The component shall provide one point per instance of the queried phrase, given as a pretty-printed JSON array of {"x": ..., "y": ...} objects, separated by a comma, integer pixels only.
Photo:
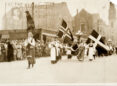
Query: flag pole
[
  {"x": 5, "y": 16},
  {"x": 46, "y": 16},
  {"x": 33, "y": 10}
]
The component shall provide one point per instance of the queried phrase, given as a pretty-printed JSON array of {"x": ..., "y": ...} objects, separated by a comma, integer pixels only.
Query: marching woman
[
  {"x": 53, "y": 52},
  {"x": 30, "y": 49},
  {"x": 19, "y": 52},
  {"x": 69, "y": 51},
  {"x": 81, "y": 52},
  {"x": 58, "y": 48}
]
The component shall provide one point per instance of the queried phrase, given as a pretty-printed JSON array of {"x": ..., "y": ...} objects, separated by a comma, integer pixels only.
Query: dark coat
[
  {"x": 81, "y": 53},
  {"x": 10, "y": 52},
  {"x": 30, "y": 53}
]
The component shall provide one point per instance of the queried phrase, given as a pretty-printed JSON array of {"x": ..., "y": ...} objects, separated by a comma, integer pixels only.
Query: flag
[
  {"x": 68, "y": 37},
  {"x": 75, "y": 47},
  {"x": 65, "y": 33},
  {"x": 37, "y": 34},
  {"x": 30, "y": 21},
  {"x": 99, "y": 43}
]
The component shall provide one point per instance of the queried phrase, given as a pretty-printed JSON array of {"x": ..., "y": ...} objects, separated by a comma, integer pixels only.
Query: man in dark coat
[
  {"x": 10, "y": 52},
  {"x": 30, "y": 21}
]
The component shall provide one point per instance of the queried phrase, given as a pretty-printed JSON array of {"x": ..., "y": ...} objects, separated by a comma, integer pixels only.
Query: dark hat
[{"x": 26, "y": 11}]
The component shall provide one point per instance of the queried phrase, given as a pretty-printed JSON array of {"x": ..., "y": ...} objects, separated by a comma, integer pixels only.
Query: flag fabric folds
[
  {"x": 99, "y": 43},
  {"x": 75, "y": 47},
  {"x": 65, "y": 32}
]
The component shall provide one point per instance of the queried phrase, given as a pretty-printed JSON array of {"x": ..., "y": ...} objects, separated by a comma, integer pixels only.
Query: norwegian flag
[
  {"x": 98, "y": 42},
  {"x": 65, "y": 32}
]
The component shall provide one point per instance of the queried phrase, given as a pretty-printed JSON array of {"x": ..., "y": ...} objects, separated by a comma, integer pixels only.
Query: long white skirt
[
  {"x": 53, "y": 54},
  {"x": 91, "y": 53}
]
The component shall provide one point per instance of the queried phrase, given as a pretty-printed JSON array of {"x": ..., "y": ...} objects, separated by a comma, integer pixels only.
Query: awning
[
  {"x": 17, "y": 36},
  {"x": 79, "y": 33},
  {"x": 5, "y": 36}
]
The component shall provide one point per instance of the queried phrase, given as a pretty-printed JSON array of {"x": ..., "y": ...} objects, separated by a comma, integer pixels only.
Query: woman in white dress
[
  {"x": 19, "y": 52},
  {"x": 91, "y": 51},
  {"x": 58, "y": 48},
  {"x": 53, "y": 52}
]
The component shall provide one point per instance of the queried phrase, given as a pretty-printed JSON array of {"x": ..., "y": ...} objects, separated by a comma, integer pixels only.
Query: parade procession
[
  {"x": 45, "y": 38},
  {"x": 64, "y": 43}
]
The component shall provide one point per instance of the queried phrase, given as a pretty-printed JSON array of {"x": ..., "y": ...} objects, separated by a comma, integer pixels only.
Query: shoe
[
  {"x": 90, "y": 60},
  {"x": 28, "y": 67}
]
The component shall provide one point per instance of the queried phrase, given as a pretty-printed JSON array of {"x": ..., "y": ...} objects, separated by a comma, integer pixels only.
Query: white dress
[
  {"x": 91, "y": 52},
  {"x": 52, "y": 51},
  {"x": 19, "y": 51},
  {"x": 57, "y": 45},
  {"x": 68, "y": 50},
  {"x": 86, "y": 50}
]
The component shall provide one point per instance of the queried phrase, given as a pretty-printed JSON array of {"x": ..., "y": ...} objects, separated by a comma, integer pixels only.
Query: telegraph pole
[
  {"x": 98, "y": 29},
  {"x": 46, "y": 18},
  {"x": 33, "y": 10},
  {"x": 5, "y": 17}
]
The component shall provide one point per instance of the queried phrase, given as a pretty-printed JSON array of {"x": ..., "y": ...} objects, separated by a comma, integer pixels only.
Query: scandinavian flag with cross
[
  {"x": 99, "y": 43},
  {"x": 65, "y": 32}
]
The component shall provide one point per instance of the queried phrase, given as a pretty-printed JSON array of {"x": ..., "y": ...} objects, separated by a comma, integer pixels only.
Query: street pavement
[{"x": 101, "y": 70}]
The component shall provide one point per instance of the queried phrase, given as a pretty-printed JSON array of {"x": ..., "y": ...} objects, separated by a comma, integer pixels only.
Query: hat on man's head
[{"x": 26, "y": 11}]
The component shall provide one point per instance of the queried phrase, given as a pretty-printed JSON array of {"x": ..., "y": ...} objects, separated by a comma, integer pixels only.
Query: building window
[
  {"x": 82, "y": 27},
  {"x": 112, "y": 24}
]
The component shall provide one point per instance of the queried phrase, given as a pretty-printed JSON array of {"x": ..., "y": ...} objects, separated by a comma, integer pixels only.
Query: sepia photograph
[{"x": 58, "y": 42}]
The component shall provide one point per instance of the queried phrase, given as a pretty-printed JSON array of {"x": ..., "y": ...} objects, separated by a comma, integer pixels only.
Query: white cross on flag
[
  {"x": 98, "y": 41},
  {"x": 65, "y": 33}
]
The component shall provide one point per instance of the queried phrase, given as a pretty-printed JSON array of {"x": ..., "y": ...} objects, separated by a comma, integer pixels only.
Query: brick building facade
[
  {"x": 86, "y": 22},
  {"x": 47, "y": 16}
]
